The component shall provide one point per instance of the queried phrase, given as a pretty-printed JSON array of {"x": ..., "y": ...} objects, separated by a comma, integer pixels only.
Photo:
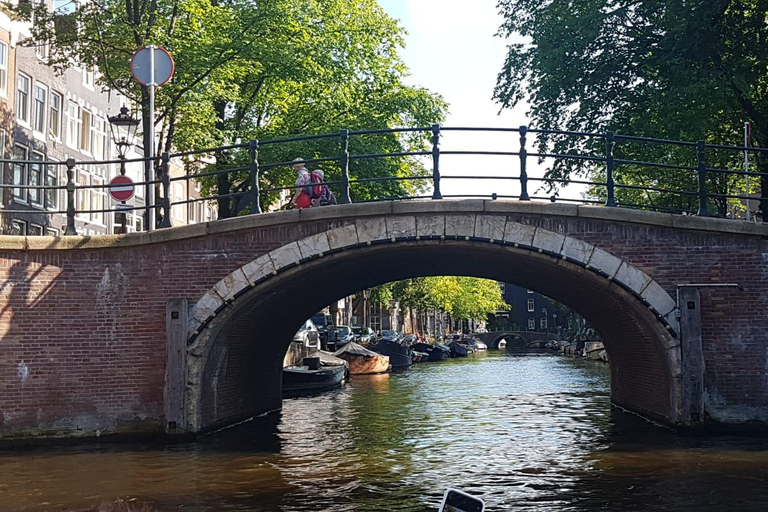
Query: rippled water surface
[{"x": 524, "y": 432}]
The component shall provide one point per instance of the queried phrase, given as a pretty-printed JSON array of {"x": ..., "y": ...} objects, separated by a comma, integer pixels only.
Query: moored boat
[
  {"x": 437, "y": 352},
  {"x": 362, "y": 361},
  {"x": 312, "y": 377},
  {"x": 399, "y": 354},
  {"x": 457, "y": 349}
]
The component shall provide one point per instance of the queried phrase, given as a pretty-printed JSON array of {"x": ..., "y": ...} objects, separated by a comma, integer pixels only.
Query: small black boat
[
  {"x": 399, "y": 354},
  {"x": 436, "y": 352},
  {"x": 457, "y": 349},
  {"x": 313, "y": 377}
]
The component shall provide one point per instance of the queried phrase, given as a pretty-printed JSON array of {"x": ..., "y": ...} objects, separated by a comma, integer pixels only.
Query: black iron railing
[{"x": 591, "y": 154}]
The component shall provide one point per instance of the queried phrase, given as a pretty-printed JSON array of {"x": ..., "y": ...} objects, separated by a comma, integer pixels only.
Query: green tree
[
  {"x": 684, "y": 70},
  {"x": 245, "y": 71}
]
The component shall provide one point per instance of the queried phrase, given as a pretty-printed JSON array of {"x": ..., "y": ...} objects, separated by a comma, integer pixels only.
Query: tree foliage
[
  {"x": 681, "y": 70},
  {"x": 464, "y": 298},
  {"x": 266, "y": 70}
]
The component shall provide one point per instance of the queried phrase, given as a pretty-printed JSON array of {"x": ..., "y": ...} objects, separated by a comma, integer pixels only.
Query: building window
[
  {"x": 543, "y": 322},
  {"x": 20, "y": 173},
  {"x": 54, "y": 118},
  {"x": 22, "y": 98},
  {"x": 51, "y": 232},
  {"x": 51, "y": 180},
  {"x": 3, "y": 69},
  {"x": 35, "y": 177},
  {"x": 98, "y": 138},
  {"x": 18, "y": 227},
  {"x": 38, "y": 112},
  {"x": 42, "y": 50},
  {"x": 83, "y": 198},
  {"x": 85, "y": 130},
  {"x": 531, "y": 306},
  {"x": 98, "y": 196},
  {"x": 502, "y": 288},
  {"x": 531, "y": 324},
  {"x": 35, "y": 230},
  {"x": 73, "y": 124},
  {"x": 177, "y": 197},
  {"x": 88, "y": 78}
]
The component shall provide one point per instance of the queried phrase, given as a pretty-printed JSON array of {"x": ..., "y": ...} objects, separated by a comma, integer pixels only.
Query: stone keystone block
[
  {"x": 230, "y": 285},
  {"x": 604, "y": 261},
  {"x": 206, "y": 306},
  {"x": 258, "y": 268},
  {"x": 399, "y": 227},
  {"x": 632, "y": 276},
  {"x": 548, "y": 241},
  {"x": 459, "y": 225},
  {"x": 345, "y": 236},
  {"x": 369, "y": 230},
  {"x": 490, "y": 226},
  {"x": 516, "y": 233},
  {"x": 577, "y": 250},
  {"x": 659, "y": 298},
  {"x": 286, "y": 255},
  {"x": 314, "y": 245},
  {"x": 430, "y": 225}
]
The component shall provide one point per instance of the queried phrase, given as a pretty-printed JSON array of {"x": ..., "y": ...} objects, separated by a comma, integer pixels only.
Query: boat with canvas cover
[{"x": 362, "y": 361}]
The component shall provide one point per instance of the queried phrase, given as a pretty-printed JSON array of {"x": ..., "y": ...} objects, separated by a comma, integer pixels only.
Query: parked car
[
  {"x": 391, "y": 336},
  {"x": 342, "y": 335},
  {"x": 363, "y": 335},
  {"x": 308, "y": 335},
  {"x": 323, "y": 321}
]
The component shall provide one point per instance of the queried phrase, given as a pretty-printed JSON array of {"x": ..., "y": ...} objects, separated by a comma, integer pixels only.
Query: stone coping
[{"x": 349, "y": 211}]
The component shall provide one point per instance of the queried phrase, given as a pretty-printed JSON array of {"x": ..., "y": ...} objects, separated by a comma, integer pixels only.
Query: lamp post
[{"x": 122, "y": 127}]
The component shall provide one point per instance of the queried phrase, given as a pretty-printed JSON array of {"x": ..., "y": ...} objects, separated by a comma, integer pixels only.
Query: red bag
[{"x": 303, "y": 201}]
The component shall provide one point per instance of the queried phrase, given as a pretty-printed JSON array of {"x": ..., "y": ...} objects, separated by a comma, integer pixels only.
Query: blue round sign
[{"x": 147, "y": 74}]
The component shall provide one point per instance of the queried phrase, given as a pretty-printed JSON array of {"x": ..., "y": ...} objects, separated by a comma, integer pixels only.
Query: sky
[{"x": 451, "y": 49}]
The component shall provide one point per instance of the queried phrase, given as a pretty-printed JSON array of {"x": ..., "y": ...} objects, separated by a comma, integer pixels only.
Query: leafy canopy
[{"x": 683, "y": 70}]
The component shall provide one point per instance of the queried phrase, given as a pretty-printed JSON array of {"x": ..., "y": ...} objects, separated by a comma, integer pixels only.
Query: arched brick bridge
[
  {"x": 184, "y": 329},
  {"x": 492, "y": 339}
]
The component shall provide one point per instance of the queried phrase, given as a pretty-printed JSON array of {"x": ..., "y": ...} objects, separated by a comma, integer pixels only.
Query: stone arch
[{"x": 652, "y": 307}]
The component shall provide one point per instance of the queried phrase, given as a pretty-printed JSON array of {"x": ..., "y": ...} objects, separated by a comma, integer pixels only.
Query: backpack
[{"x": 317, "y": 185}]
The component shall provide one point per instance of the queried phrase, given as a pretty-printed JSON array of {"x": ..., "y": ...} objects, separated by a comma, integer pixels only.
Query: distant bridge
[{"x": 514, "y": 338}]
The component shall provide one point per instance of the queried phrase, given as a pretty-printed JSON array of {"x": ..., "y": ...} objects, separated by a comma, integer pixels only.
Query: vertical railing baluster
[
  {"x": 436, "y": 162},
  {"x": 345, "y": 198},
  {"x": 610, "y": 184},
  {"x": 70, "y": 230},
  {"x": 166, "y": 180},
  {"x": 253, "y": 150},
  {"x": 702, "y": 170},
  {"x": 523, "y": 163}
]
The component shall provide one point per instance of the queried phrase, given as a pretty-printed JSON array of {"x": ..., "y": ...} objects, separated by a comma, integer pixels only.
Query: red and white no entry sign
[{"x": 121, "y": 188}]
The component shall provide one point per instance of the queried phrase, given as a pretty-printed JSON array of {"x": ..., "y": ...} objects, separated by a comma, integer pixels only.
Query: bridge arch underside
[{"x": 236, "y": 368}]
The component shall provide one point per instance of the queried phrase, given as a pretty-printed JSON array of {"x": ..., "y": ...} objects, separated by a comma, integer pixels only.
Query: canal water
[{"x": 523, "y": 431}]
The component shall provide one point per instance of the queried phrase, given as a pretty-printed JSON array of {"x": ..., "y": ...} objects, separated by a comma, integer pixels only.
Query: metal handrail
[{"x": 346, "y": 163}]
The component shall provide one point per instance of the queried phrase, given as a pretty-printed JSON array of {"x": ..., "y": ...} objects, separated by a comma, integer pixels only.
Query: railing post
[
  {"x": 253, "y": 150},
  {"x": 70, "y": 230},
  {"x": 166, "y": 179},
  {"x": 523, "y": 162},
  {"x": 702, "y": 170},
  {"x": 610, "y": 184},
  {"x": 345, "y": 199},
  {"x": 436, "y": 162}
]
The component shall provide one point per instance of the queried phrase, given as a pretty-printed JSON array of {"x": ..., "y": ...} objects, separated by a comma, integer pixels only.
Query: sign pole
[
  {"x": 151, "y": 153},
  {"x": 746, "y": 165}
]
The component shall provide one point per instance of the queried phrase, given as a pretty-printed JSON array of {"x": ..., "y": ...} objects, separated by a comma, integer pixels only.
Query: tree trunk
[{"x": 224, "y": 186}]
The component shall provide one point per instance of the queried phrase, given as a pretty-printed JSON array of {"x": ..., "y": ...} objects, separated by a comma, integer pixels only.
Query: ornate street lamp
[{"x": 122, "y": 127}]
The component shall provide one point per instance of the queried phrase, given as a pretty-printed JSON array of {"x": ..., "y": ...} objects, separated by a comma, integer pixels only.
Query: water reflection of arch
[{"x": 339, "y": 261}]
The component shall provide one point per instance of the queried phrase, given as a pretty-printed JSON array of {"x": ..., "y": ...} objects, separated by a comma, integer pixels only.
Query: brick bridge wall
[{"x": 83, "y": 320}]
